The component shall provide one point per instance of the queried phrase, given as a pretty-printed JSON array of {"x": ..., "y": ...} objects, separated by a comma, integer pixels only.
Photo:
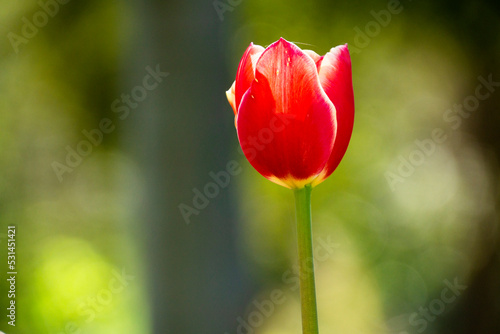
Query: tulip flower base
[{"x": 313, "y": 95}]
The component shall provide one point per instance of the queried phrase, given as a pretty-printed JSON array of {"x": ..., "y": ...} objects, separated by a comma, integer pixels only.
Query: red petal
[
  {"x": 246, "y": 71},
  {"x": 286, "y": 123},
  {"x": 316, "y": 57},
  {"x": 313, "y": 55},
  {"x": 335, "y": 75}
]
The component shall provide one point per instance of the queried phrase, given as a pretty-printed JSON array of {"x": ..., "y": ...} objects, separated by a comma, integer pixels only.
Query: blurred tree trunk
[{"x": 181, "y": 132}]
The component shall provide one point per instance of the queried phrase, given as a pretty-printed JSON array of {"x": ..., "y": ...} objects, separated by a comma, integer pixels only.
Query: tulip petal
[
  {"x": 230, "y": 94},
  {"x": 316, "y": 57},
  {"x": 286, "y": 123},
  {"x": 246, "y": 71},
  {"x": 335, "y": 75}
]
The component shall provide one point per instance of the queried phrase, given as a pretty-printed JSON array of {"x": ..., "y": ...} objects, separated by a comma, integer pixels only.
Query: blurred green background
[{"x": 114, "y": 116}]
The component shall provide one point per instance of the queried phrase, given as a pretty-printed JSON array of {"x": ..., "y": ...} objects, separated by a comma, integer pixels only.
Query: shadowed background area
[{"x": 137, "y": 213}]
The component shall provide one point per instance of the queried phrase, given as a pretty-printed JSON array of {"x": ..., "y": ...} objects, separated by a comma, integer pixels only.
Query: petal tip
[
  {"x": 282, "y": 41},
  {"x": 342, "y": 48},
  {"x": 230, "y": 94}
]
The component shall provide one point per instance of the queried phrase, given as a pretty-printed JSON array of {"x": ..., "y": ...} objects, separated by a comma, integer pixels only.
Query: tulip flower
[
  {"x": 310, "y": 95},
  {"x": 294, "y": 115}
]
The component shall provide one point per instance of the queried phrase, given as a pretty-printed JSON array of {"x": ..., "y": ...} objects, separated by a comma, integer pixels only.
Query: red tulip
[{"x": 294, "y": 111}]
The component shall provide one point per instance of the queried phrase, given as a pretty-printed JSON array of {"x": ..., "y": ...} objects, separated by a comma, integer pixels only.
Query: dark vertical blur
[{"x": 178, "y": 137}]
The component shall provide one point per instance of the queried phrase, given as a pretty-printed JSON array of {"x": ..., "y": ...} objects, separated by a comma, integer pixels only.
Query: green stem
[{"x": 306, "y": 265}]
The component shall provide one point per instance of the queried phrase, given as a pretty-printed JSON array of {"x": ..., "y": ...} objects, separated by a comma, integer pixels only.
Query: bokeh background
[{"x": 406, "y": 229}]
